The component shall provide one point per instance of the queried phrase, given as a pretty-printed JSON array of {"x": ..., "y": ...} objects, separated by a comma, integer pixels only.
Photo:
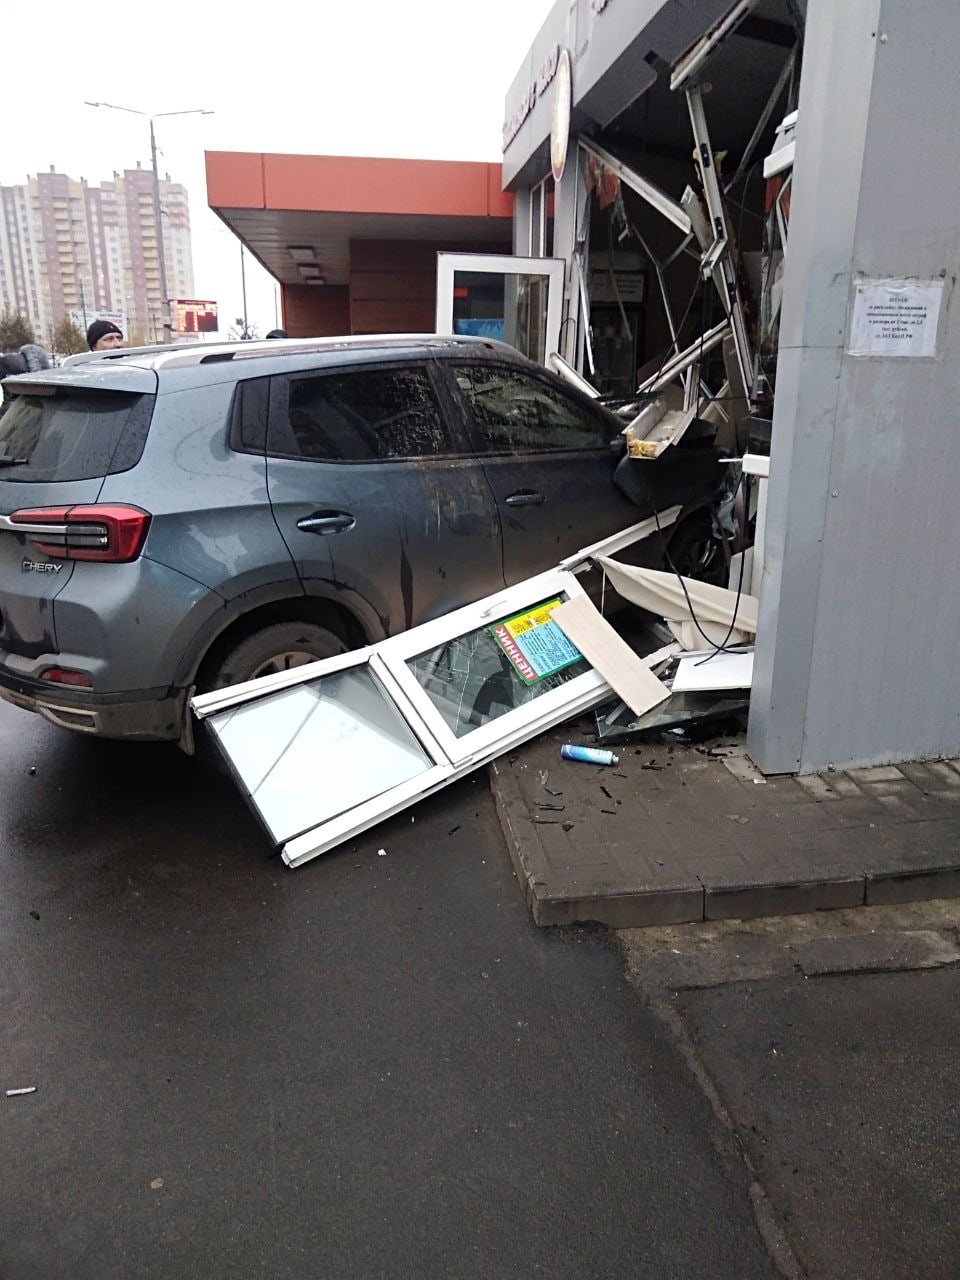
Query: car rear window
[{"x": 72, "y": 434}]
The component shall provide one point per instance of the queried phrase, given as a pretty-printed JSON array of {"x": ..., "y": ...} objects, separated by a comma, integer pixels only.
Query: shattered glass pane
[
  {"x": 471, "y": 680},
  {"x": 309, "y": 753},
  {"x": 617, "y": 723}
]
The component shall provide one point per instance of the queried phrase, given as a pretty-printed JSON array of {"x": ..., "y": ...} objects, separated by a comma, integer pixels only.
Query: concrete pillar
[{"x": 860, "y": 605}]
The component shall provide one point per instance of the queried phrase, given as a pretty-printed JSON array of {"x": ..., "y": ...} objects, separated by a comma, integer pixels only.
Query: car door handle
[
  {"x": 327, "y": 522},
  {"x": 525, "y": 498}
]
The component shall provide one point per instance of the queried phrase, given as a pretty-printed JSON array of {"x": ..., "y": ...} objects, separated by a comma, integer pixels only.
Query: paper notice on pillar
[{"x": 895, "y": 318}]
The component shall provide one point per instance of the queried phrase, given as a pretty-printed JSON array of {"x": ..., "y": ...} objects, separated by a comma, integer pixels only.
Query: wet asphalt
[
  {"x": 368, "y": 1067},
  {"x": 844, "y": 1089}
]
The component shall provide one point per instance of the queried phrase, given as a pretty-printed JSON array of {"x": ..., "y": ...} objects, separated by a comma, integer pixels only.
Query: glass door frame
[{"x": 448, "y": 264}]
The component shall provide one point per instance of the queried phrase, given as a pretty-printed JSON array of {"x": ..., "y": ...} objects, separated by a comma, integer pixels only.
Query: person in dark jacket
[{"x": 29, "y": 359}]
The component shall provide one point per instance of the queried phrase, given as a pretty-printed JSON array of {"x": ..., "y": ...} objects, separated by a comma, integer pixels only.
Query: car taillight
[{"x": 109, "y": 531}]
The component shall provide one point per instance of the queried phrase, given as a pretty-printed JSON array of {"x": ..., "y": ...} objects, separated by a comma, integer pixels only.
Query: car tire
[
  {"x": 696, "y": 552},
  {"x": 278, "y": 648}
]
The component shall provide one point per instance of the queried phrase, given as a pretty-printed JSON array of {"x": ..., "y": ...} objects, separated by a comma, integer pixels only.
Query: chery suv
[{"x": 186, "y": 518}]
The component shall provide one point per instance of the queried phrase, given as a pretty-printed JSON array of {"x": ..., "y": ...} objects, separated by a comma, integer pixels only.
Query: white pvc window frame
[
  {"x": 498, "y": 735},
  {"x": 448, "y": 264},
  {"x": 450, "y": 757},
  {"x": 335, "y": 830}
]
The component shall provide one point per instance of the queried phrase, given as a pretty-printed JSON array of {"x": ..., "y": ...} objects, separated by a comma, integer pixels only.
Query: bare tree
[
  {"x": 67, "y": 338},
  {"x": 243, "y": 332},
  {"x": 15, "y": 331}
]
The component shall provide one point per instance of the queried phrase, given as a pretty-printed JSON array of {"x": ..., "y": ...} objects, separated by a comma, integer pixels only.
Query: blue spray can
[{"x": 588, "y": 755}]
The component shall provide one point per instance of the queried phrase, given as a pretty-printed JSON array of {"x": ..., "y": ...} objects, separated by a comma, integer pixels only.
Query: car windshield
[{"x": 72, "y": 434}]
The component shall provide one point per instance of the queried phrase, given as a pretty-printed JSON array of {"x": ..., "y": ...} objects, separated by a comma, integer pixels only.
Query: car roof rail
[
  {"x": 119, "y": 353},
  {"x": 184, "y": 354}
]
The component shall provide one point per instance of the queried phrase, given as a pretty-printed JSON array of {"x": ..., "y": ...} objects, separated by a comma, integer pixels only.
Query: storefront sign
[
  {"x": 895, "y": 318},
  {"x": 536, "y": 89},
  {"x": 535, "y": 644},
  {"x": 560, "y": 119},
  {"x": 190, "y": 315}
]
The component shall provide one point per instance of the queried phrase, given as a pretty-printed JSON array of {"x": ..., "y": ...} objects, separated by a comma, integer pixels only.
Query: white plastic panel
[{"x": 309, "y": 753}]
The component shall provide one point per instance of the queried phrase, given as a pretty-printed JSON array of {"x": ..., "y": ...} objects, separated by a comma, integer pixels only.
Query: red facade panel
[
  {"x": 380, "y": 316},
  {"x": 311, "y": 311},
  {"x": 354, "y": 184},
  {"x": 234, "y": 180}
]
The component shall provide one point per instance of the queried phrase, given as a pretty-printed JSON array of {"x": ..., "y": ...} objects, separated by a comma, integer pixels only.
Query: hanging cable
[{"x": 715, "y": 648}]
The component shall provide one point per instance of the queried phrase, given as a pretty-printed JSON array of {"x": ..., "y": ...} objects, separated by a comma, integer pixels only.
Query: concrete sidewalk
[{"x": 677, "y": 833}]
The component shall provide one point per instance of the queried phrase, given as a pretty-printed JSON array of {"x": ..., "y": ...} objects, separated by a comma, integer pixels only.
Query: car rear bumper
[{"x": 146, "y": 716}]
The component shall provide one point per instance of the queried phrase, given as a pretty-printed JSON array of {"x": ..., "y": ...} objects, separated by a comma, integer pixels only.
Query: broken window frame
[
  {"x": 497, "y": 735},
  {"x": 497, "y": 264},
  {"x": 333, "y": 831},
  {"x": 450, "y": 757}
]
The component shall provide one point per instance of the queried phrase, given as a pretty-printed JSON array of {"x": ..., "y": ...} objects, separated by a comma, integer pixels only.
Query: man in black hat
[{"x": 103, "y": 335}]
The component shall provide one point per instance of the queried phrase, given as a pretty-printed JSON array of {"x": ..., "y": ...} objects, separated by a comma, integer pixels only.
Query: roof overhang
[
  {"x": 622, "y": 55},
  {"x": 318, "y": 204}
]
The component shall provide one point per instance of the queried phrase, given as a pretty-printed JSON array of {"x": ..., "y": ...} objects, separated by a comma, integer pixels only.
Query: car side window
[
  {"x": 513, "y": 412},
  {"x": 248, "y": 427},
  {"x": 362, "y": 416}
]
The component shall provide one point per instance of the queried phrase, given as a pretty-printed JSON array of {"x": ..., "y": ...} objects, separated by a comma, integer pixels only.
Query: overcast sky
[{"x": 421, "y": 78}]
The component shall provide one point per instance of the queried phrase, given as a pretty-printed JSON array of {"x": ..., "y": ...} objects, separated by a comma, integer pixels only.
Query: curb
[{"x": 583, "y": 894}]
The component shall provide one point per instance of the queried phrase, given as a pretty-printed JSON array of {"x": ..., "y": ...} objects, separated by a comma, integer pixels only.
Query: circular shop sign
[{"x": 560, "y": 119}]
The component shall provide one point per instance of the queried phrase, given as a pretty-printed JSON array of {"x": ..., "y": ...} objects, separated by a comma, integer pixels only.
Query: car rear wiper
[{"x": 13, "y": 462}]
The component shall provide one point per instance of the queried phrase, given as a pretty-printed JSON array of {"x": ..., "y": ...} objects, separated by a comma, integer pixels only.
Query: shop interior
[{"x": 649, "y": 289}]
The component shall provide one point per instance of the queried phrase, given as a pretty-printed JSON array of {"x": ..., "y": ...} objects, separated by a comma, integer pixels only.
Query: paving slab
[
  {"x": 676, "y": 833},
  {"x": 841, "y": 1088}
]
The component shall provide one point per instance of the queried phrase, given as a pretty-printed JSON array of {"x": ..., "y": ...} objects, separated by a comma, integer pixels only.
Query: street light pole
[
  {"x": 157, "y": 210},
  {"x": 243, "y": 283},
  {"x": 158, "y": 219}
]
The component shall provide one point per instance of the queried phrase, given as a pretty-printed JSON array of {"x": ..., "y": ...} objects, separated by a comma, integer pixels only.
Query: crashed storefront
[
  {"x": 653, "y": 263},
  {"x": 705, "y": 236},
  {"x": 661, "y": 136},
  {"x": 613, "y": 103}
]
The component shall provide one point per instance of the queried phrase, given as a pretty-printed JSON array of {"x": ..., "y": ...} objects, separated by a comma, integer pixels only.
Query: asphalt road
[{"x": 369, "y": 1067}]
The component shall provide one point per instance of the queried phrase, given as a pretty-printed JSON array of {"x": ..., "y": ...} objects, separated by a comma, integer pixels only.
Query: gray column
[
  {"x": 521, "y": 222},
  {"x": 568, "y": 213},
  {"x": 860, "y": 606}
]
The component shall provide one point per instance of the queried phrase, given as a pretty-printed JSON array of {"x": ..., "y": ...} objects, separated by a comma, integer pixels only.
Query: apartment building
[{"x": 68, "y": 247}]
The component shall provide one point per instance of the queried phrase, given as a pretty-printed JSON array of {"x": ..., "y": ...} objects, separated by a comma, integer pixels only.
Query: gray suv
[{"x": 186, "y": 518}]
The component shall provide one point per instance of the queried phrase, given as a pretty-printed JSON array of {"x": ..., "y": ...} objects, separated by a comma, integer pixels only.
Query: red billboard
[{"x": 191, "y": 316}]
